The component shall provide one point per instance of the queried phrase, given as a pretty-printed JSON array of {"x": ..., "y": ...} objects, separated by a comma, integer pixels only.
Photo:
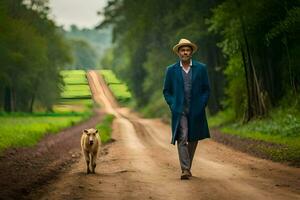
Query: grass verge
[
  {"x": 23, "y": 130},
  {"x": 276, "y": 136},
  {"x": 105, "y": 128}
]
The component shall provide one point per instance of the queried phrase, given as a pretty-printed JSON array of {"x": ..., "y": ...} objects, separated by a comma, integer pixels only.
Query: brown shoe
[
  {"x": 190, "y": 173},
  {"x": 185, "y": 175}
]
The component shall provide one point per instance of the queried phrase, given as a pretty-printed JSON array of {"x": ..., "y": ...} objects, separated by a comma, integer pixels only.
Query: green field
[
  {"x": 84, "y": 102},
  {"x": 120, "y": 90},
  {"x": 109, "y": 76},
  {"x": 76, "y": 77},
  {"x": 76, "y": 85},
  {"x": 75, "y": 105},
  {"x": 76, "y": 94}
]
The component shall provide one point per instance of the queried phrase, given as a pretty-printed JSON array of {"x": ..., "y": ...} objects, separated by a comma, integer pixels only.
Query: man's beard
[{"x": 185, "y": 58}]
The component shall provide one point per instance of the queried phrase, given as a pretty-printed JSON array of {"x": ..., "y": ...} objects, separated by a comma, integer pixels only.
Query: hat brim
[{"x": 192, "y": 45}]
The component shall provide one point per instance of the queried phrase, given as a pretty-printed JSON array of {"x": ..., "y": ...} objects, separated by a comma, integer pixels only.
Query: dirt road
[{"x": 142, "y": 164}]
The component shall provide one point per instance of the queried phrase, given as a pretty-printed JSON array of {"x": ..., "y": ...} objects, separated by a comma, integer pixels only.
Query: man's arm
[{"x": 168, "y": 89}]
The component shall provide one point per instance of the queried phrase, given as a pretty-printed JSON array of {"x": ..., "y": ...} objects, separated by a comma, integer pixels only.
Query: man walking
[{"x": 186, "y": 91}]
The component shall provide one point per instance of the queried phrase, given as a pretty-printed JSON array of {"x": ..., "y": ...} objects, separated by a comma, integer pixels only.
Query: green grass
[
  {"x": 23, "y": 129},
  {"x": 221, "y": 118},
  {"x": 86, "y": 102},
  {"x": 105, "y": 128},
  {"x": 281, "y": 127},
  {"x": 120, "y": 90}
]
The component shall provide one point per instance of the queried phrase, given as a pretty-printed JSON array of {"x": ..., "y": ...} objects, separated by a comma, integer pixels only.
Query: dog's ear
[
  {"x": 96, "y": 130},
  {"x": 85, "y": 131}
]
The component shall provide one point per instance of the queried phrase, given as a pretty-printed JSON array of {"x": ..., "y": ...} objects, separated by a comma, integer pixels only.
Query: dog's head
[{"x": 91, "y": 134}]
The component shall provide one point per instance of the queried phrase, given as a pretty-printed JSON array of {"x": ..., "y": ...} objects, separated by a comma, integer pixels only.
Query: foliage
[
  {"x": 221, "y": 118},
  {"x": 32, "y": 52},
  {"x": 84, "y": 55},
  {"x": 236, "y": 85},
  {"x": 265, "y": 39},
  {"x": 157, "y": 108},
  {"x": 107, "y": 59},
  {"x": 97, "y": 40}
]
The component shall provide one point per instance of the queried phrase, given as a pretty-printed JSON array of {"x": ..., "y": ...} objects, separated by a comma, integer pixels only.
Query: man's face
[{"x": 185, "y": 53}]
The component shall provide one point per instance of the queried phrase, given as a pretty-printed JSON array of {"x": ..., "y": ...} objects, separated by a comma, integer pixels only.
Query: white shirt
[{"x": 188, "y": 69}]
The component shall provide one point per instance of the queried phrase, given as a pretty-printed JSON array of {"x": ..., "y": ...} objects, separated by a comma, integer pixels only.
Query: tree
[
  {"x": 84, "y": 55},
  {"x": 32, "y": 53}
]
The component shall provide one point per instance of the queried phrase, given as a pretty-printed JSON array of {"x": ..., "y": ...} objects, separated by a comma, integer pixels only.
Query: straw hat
[{"x": 185, "y": 42}]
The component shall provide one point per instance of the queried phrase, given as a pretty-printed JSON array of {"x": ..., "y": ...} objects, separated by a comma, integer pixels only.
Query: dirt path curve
[{"x": 142, "y": 164}]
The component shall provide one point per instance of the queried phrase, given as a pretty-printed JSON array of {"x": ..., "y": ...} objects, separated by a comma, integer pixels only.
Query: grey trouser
[{"x": 186, "y": 150}]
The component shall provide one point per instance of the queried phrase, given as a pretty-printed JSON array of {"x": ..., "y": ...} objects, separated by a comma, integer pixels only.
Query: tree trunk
[
  {"x": 247, "y": 115},
  {"x": 31, "y": 103},
  {"x": 13, "y": 100},
  {"x": 256, "y": 105},
  {"x": 7, "y": 99},
  {"x": 291, "y": 78}
]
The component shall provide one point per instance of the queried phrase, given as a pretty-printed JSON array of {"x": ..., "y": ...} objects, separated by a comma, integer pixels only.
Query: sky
[{"x": 82, "y": 13}]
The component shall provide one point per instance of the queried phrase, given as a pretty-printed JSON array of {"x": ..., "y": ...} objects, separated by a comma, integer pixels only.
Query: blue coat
[{"x": 174, "y": 95}]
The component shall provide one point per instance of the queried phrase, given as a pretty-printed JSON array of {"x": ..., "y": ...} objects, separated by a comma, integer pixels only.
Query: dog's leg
[
  {"x": 87, "y": 159},
  {"x": 94, "y": 157}
]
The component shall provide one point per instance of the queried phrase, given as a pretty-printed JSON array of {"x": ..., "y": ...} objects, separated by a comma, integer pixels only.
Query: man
[{"x": 186, "y": 91}]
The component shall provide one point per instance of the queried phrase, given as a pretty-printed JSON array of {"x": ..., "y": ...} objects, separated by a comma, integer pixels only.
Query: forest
[
  {"x": 251, "y": 49},
  {"x": 32, "y": 53}
]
